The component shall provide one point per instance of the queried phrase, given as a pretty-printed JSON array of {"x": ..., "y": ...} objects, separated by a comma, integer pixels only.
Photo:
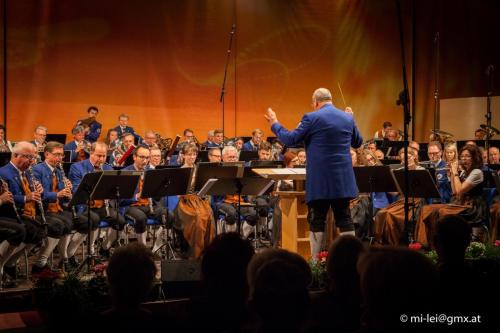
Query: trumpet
[
  {"x": 5, "y": 188},
  {"x": 34, "y": 186}
]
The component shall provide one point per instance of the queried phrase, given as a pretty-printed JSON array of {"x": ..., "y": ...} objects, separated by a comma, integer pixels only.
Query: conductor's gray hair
[{"x": 322, "y": 95}]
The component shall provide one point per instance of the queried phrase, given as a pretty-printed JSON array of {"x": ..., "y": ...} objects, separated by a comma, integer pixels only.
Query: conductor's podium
[{"x": 294, "y": 226}]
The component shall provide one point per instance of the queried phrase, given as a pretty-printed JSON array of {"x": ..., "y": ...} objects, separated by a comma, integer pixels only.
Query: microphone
[{"x": 489, "y": 69}]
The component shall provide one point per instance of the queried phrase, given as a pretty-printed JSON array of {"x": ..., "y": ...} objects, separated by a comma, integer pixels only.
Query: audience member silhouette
[
  {"x": 462, "y": 288},
  {"x": 130, "y": 272},
  {"x": 279, "y": 294},
  {"x": 396, "y": 281},
  {"x": 223, "y": 304},
  {"x": 339, "y": 308}
]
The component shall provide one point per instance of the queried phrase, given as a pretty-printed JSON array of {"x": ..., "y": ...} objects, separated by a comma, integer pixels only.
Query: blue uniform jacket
[
  {"x": 42, "y": 173},
  {"x": 443, "y": 183},
  {"x": 328, "y": 134},
  {"x": 94, "y": 132},
  {"x": 10, "y": 174},
  {"x": 72, "y": 146},
  {"x": 247, "y": 146},
  {"x": 128, "y": 129}
]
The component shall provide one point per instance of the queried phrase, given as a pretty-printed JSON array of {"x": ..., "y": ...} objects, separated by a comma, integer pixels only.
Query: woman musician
[
  {"x": 193, "y": 215},
  {"x": 5, "y": 145},
  {"x": 468, "y": 201}
]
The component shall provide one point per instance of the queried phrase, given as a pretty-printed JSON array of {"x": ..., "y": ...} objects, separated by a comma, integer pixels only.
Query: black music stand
[
  {"x": 163, "y": 183},
  {"x": 421, "y": 183},
  {"x": 61, "y": 138},
  {"x": 248, "y": 155},
  {"x": 240, "y": 186},
  {"x": 374, "y": 179},
  {"x": 203, "y": 156},
  {"x": 5, "y": 158},
  {"x": 394, "y": 145},
  {"x": 207, "y": 171},
  {"x": 82, "y": 197}
]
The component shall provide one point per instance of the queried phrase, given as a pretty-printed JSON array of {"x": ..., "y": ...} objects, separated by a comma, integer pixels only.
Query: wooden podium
[{"x": 294, "y": 225}]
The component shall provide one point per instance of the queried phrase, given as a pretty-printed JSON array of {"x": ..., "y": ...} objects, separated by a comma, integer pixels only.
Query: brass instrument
[
  {"x": 5, "y": 188},
  {"x": 85, "y": 123},
  {"x": 34, "y": 185}
]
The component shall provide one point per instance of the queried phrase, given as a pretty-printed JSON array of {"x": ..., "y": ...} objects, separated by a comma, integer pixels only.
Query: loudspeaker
[{"x": 180, "y": 270}]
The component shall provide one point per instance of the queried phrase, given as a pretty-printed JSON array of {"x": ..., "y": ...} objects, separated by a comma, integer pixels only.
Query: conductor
[{"x": 328, "y": 133}]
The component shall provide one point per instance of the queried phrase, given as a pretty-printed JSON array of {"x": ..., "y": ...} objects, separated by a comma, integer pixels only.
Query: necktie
[
  {"x": 54, "y": 207},
  {"x": 29, "y": 207}
]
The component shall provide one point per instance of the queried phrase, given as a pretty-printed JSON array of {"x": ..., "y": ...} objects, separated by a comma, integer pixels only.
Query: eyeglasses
[
  {"x": 27, "y": 156},
  {"x": 437, "y": 153},
  {"x": 58, "y": 154},
  {"x": 142, "y": 157}
]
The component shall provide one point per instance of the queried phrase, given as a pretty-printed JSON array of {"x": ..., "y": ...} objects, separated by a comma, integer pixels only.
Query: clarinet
[
  {"x": 5, "y": 188},
  {"x": 33, "y": 189},
  {"x": 74, "y": 214}
]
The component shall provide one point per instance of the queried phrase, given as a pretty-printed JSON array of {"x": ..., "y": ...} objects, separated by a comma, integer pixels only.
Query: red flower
[
  {"x": 322, "y": 256},
  {"x": 415, "y": 246},
  {"x": 497, "y": 242}
]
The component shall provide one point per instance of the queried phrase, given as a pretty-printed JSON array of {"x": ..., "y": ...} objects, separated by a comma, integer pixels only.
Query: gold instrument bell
[
  {"x": 490, "y": 131},
  {"x": 441, "y": 136}
]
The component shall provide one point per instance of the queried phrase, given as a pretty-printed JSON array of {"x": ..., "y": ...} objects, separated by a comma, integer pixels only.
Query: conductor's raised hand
[{"x": 271, "y": 116}]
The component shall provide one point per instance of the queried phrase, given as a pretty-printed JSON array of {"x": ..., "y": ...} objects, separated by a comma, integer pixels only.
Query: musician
[
  {"x": 379, "y": 154},
  {"x": 150, "y": 139},
  {"x": 79, "y": 147},
  {"x": 255, "y": 141},
  {"x": 40, "y": 134},
  {"x": 214, "y": 155},
  {"x": 91, "y": 125},
  {"x": 126, "y": 146},
  {"x": 382, "y": 134},
  {"x": 26, "y": 197},
  {"x": 218, "y": 139},
  {"x": 138, "y": 208},
  {"x": 479, "y": 134},
  {"x": 301, "y": 155},
  {"x": 112, "y": 139},
  {"x": 468, "y": 200},
  {"x": 371, "y": 146},
  {"x": 388, "y": 224},
  {"x": 99, "y": 209},
  {"x": 12, "y": 234},
  {"x": 265, "y": 151},
  {"x": 228, "y": 204},
  {"x": 328, "y": 133},
  {"x": 5, "y": 145},
  {"x": 392, "y": 135},
  {"x": 188, "y": 136},
  {"x": 210, "y": 137},
  {"x": 494, "y": 155},
  {"x": 123, "y": 127},
  {"x": 238, "y": 143},
  {"x": 278, "y": 150},
  {"x": 451, "y": 155},
  {"x": 56, "y": 193},
  {"x": 154, "y": 158},
  {"x": 435, "y": 154}
]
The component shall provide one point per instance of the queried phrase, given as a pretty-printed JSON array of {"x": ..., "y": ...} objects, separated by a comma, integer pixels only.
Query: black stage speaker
[{"x": 181, "y": 278}]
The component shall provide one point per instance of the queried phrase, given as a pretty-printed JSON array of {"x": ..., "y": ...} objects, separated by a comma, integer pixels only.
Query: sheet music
[{"x": 208, "y": 185}]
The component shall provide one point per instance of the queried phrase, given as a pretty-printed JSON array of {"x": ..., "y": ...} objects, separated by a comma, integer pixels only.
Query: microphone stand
[
  {"x": 404, "y": 100},
  {"x": 223, "y": 88},
  {"x": 489, "y": 73},
  {"x": 436, "y": 83}
]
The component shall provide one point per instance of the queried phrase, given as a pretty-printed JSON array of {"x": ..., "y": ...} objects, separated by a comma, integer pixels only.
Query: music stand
[
  {"x": 68, "y": 155},
  {"x": 374, "y": 179},
  {"x": 164, "y": 183},
  {"x": 61, "y": 138},
  {"x": 207, "y": 171},
  {"x": 421, "y": 183},
  {"x": 5, "y": 158},
  {"x": 248, "y": 155},
  {"x": 82, "y": 197},
  {"x": 203, "y": 156},
  {"x": 394, "y": 146},
  {"x": 240, "y": 186}
]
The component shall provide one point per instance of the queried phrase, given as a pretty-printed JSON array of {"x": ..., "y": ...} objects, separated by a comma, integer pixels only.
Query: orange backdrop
[{"x": 162, "y": 61}]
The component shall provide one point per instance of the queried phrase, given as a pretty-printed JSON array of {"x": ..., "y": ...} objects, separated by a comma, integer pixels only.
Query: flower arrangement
[
  {"x": 475, "y": 250},
  {"x": 318, "y": 270}
]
